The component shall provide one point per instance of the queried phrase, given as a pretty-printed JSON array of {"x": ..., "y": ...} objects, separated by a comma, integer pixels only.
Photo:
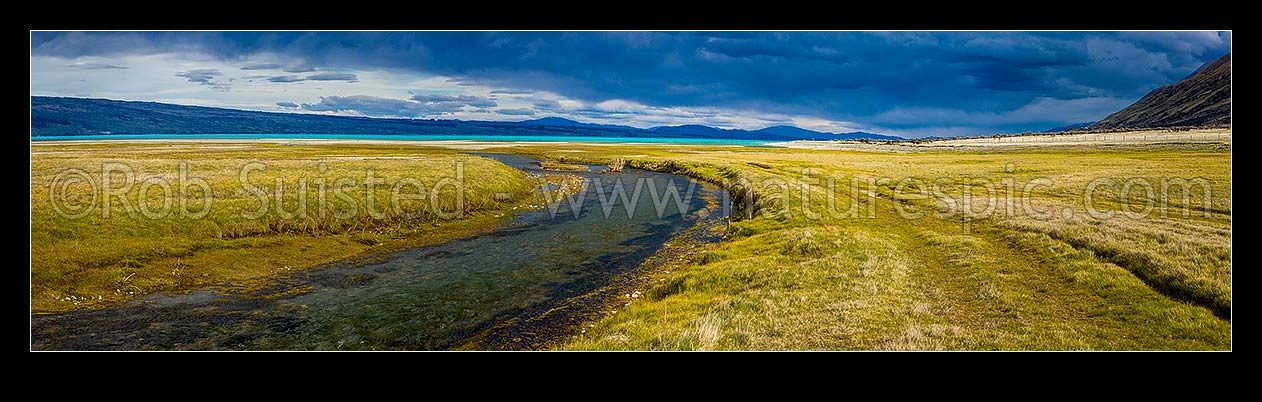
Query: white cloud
[
  {"x": 619, "y": 106},
  {"x": 817, "y": 124},
  {"x": 569, "y": 104},
  {"x": 154, "y": 78}
]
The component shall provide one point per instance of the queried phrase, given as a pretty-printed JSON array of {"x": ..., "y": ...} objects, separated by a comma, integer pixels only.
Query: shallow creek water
[{"x": 525, "y": 285}]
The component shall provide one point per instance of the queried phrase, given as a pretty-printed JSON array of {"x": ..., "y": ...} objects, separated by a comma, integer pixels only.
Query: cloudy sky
[{"x": 905, "y": 83}]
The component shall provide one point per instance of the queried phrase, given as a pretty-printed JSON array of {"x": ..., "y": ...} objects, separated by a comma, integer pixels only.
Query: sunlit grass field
[
  {"x": 879, "y": 280},
  {"x": 882, "y": 268},
  {"x": 93, "y": 260}
]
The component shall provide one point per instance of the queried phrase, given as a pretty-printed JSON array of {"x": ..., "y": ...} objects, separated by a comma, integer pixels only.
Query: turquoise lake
[{"x": 522, "y": 138}]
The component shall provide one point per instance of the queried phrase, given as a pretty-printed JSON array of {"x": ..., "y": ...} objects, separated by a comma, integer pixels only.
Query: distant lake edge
[{"x": 379, "y": 137}]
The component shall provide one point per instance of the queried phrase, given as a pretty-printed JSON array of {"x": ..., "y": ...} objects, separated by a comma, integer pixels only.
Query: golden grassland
[
  {"x": 94, "y": 260},
  {"x": 881, "y": 281},
  {"x": 792, "y": 276}
]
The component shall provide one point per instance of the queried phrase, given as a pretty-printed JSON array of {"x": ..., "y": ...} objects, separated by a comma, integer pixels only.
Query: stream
[{"x": 529, "y": 284}]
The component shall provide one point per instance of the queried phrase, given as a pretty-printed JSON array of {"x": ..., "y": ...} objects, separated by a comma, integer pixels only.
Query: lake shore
[
  {"x": 448, "y": 141},
  {"x": 1208, "y": 138}
]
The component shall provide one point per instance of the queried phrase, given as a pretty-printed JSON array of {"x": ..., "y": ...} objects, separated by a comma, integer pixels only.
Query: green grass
[
  {"x": 94, "y": 260},
  {"x": 781, "y": 280},
  {"x": 867, "y": 279}
]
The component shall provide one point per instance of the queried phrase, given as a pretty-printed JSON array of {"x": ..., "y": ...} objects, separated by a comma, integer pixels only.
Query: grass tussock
[
  {"x": 1187, "y": 262},
  {"x": 616, "y": 165},
  {"x": 563, "y": 167}
]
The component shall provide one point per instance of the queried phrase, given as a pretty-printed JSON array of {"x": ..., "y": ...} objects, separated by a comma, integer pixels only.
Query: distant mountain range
[
  {"x": 1069, "y": 127},
  {"x": 1201, "y": 99},
  {"x": 53, "y": 116}
]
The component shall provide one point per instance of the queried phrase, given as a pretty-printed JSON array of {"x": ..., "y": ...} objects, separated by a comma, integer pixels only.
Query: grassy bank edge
[{"x": 289, "y": 252}]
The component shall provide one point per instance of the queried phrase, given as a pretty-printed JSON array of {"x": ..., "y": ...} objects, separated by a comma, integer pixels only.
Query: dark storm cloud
[
  {"x": 207, "y": 77},
  {"x": 285, "y": 78},
  {"x": 348, "y": 77},
  {"x": 516, "y": 112},
  {"x": 511, "y": 92},
  {"x": 847, "y": 76},
  {"x": 301, "y": 68},
  {"x": 547, "y": 104},
  {"x": 264, "y": 66},
  {"x": 201, "y": 76},
  {"x": 287, "y": 105}
]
